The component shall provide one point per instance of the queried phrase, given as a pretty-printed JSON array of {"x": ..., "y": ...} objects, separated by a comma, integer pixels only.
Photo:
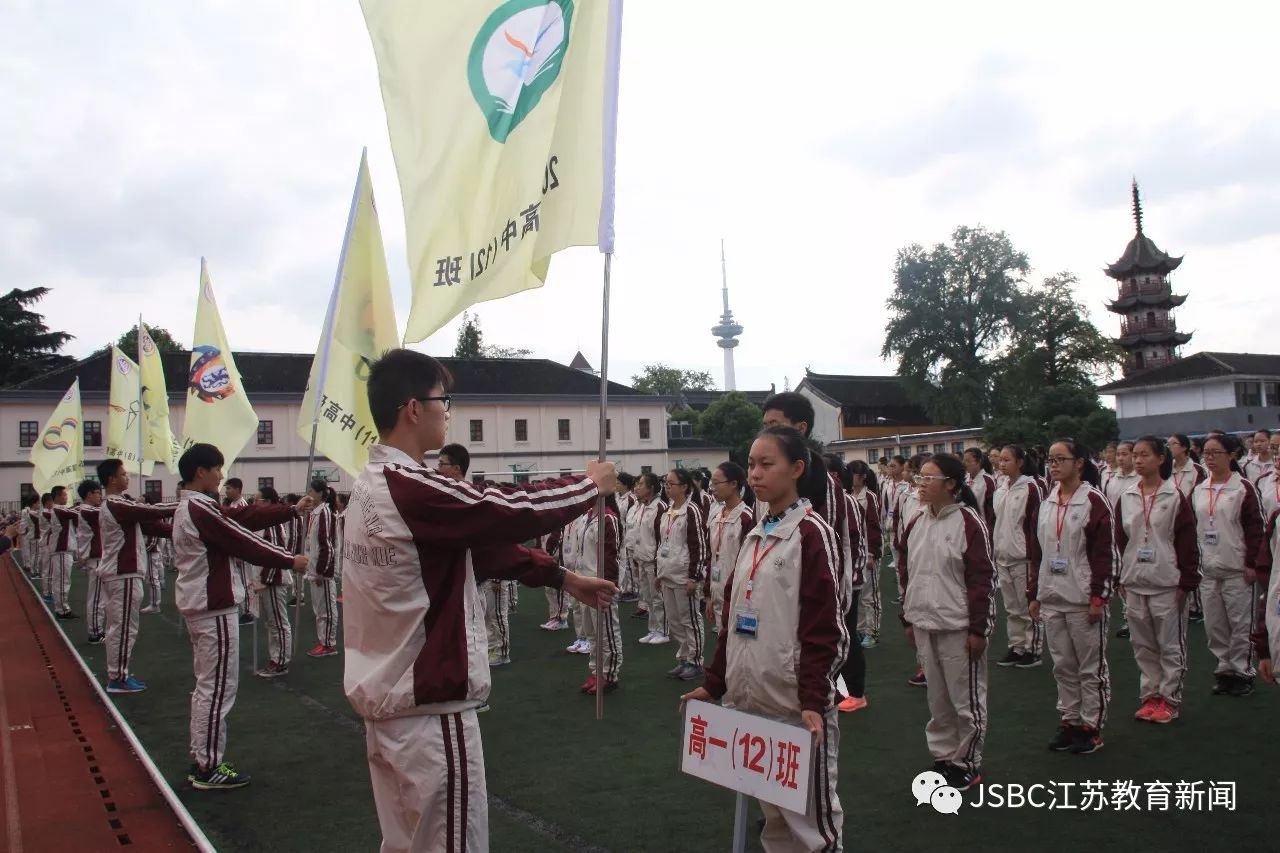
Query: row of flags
[{"x": 502, "y": 117}]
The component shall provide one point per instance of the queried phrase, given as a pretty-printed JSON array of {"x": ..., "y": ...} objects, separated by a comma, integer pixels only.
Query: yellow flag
[
  {"x": 58, "y": 456},
  {"x": 218, "y": 411},
  {"x": 359, "y": 327},
  {"x": 123, "y": 414},
  {"x": 157, "y": 435},
  {"x": 502, "y": 118}
]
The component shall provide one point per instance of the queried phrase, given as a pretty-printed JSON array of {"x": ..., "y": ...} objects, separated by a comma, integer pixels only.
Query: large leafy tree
[
  {"x": 165, "y": 341},
  {"x": 951, "y": 313},
  {"x": 471, "y": 342},
  {"x": 28, "y": 347},
  {"x": 733, "y": 422},
  {"x": 671, "y": 381}
]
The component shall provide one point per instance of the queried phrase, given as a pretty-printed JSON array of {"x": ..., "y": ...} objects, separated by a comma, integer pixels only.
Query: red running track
[{"x": 69, "y": 780}]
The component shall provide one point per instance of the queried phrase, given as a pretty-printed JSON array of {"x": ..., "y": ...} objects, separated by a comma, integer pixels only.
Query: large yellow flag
[
  {"x": 157, "y": 436},
  {"x": 218, "y": 411},
  {"x": 359, "y": 326},
  {"x": 58, "y": 456},
  {"x": 124, "y": 411},
  {"x": 502, "y": 118}
]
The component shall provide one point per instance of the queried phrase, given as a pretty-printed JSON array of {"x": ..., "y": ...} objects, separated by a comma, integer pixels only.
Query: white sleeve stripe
[{"x": 574, "y": 493}]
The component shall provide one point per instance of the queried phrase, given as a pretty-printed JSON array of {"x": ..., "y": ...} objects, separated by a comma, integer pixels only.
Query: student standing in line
[
  {"x": 89, "y": 552},
  {"x": 978, "y": 471},
  {"x": 29, "y": 539},
  {"x": 1017, "y": 548},
  {"x": 623, "y": 494},
  {"x": 1124, "y": 476},
  {"x": 573, "y": 558},
  {"x": 557, "y": 602},
  {"x": 1071, "y": 588},
  {"x": 1266, "y": 626},
  {"x": 1268, "y": 483},
  {"x": 46, "y": 547},
  {"x": 779, "y": 646},
  {"x": 1230, "y": 527},
  {"x": 643, "y": 532},
  {"x": 233, "y": 491},
  {"x": 273, "y": 595},
  {"x": 1160, "y": 566},
  {"x": 993, "y": 458},
  {"x": 1109, "y": 463},
  {"x": 1259, "y": 460},
  {"x": 853, "y": 673},
  {"x": 607, "y": 679},
  {"x": 321, "y": 562},
  {"x": 865, "y": 491},
  {"x": 731, "y": 521},
  {"x": 62, "y": 539},
  {"x": 948, "y": 612},
  {"x": 1186, "y": 475},
  {"x": 682, "y": 563},
  {"x": 908, "y": 506}
]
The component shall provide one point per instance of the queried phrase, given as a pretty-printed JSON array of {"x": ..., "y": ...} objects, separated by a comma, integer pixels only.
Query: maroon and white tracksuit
[
  {"x": 89, "y": 552},
  {"x": 1266, "y": 626},
  {"x": 727, "y": 528},
  {"x": 322, "y": 557},
  {"x": 984, "y": 487},
  {"x": 273, "y": 598},
  {"x": 682, "y": 564},
  {"x": 208, "y": 591},
  {"x": 612, "y": 628},
  {"x": 642, "y": 547},
  {"x": 1016, "y": 547},
  {"x": 64, "y": 523},
  {"x": 1078, "y": 566},
  {"x": 870, "y": 608},
  {"x": 416, "y": 659},
  {"x": 125, "y": 524}
]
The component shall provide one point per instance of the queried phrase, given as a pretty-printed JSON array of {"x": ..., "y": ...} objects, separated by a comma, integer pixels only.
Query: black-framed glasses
[{"x": 446, "y": 399}]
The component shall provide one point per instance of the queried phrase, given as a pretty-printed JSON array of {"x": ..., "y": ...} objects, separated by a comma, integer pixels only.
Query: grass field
[{"x": 559, "y": 779}]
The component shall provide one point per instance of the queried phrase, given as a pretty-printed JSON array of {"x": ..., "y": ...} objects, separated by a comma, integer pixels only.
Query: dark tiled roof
[
  {"x": 285, "y": 374},
  {"x": 580, "y": 362},
  {"x": 1142, "y": 255},
  {"x": 1202, "y": 365},
  {"x": 883, "y": 396}
]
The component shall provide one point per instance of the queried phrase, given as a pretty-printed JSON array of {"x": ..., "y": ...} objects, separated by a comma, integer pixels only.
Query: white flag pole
[
  {"x": 613, "y": 56},
  {"x": 142, "y": 411},
  {"x": 326, "y": 346}
]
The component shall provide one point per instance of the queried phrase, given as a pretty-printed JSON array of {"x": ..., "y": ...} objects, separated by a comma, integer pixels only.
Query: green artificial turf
[{"x": 565, "y": 781}]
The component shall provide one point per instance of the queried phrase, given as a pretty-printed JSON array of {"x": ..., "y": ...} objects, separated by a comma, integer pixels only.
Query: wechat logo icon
[{"x": 930, "y": 787}]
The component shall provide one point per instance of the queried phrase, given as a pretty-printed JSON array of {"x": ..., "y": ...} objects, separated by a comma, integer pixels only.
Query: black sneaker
[
  {"x": 246, "y": 618},
  {"x": 1123, "y": 633},
  {"x": 1066, "y": 737},
  {"x": 221, "y": 778},
  {"x": 960, "y": 778},
  {"x": 692, "y": 671},
  {"x": 1222, "y": 684},
  {"x": 66, "y": 614},
  {"x": 1028, "y": 661},
  {"x": 1088, "y": 740},
  {"x": 640, "y": 614},
  {"x": 1195, "y": 616},
  {"x": 1240, "y": 686},
  {"x": 1011, "y": 658}
]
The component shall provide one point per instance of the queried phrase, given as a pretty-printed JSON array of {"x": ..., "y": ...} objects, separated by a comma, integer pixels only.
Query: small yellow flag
[
  {"x": 157, "y": 437},
  {"x": 218, "y": 410},
  {"x": 58, "y": 456},
  {"x": 124, "y": 411},
  {"x": 359, "y": 327}
]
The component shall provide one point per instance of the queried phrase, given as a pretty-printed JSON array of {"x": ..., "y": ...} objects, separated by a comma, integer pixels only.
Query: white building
[{"x": 517, "y": 417}]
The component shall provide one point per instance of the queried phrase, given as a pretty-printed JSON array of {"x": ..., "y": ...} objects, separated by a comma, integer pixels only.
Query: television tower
[{"x": 728, "y": 331}]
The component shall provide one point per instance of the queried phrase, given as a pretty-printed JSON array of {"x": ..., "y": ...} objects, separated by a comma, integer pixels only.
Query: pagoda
[{"x": 1148, "y": 332}]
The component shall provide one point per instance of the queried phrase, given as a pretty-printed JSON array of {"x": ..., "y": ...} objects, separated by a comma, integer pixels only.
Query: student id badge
[
  {"x": 1146, "y": 554},
  {"x": 746, "y": 622},
  {"x": 1211, "y": 536},
  {"x": 664, "y": 551},
  {"x": 715, "y": 575},
  {"x": 1058, "y": 565}
]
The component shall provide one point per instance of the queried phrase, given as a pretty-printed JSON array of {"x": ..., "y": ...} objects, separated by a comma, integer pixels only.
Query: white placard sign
[{"x": 761, "y": 758}]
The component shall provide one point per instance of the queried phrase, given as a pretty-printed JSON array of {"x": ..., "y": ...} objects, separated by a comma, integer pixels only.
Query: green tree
[
  {"x": 733, "y": 421},
  {"x": 671, "y": 381},
  {"x": 470, "y": 338},
  {"x": 951, "y": 312},
  {"x": 165, "y": 341},
  {"x": 27, "y": 346}
]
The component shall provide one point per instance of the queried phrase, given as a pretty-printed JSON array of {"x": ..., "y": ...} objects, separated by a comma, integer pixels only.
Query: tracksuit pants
[
  {"x": 325, "y": 607},
  {"x": 1158, "y": 634},
  {"x": 155, "y": 578},
  {"x": 274, "y": 604},
  {"x": 684, "y": 620},
  {"x": 95, "y": 601},
  {"x": 557, "y": 604},
  {"x": 957, "y": 692},
  {"x": 428, "y": 782},
  {"x": 717, "y": 604},
  {"x": 869, "y": 611},
  {"x": 46, "y": 573},
  {"x": 124, "y": 599},
  {"x": 1079, "y": 652},
  {"x": 821, "y": 827},
  {"x": 60, "y": 569},
  {"x": 612, "y": 636},
  {"x": 651, "y": 597},
  {"x": 854, "y": 670},
  {"x": 513, "y": 595},
  {"x": 497, "y": 618},
  {"x": 215, "y": 653},
  {"x": 1025, "y": 634},
  {"x": 1272, "y": 621},
  {"x": 1228, "y": 620}
]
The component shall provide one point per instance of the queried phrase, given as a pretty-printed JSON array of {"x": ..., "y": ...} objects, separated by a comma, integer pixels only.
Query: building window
[
  {"x": 608, "y": 429},
  {"x": 957, "y": 447},
  {"x": 25, "y": 490},
  {"x": 922, "y": 448},
  {"x": 940, "y": 447},
  {"x": 646, "y": 469},
  {"x": 1273, "y": 393},
  {"x": 644, "y": 429},
  {"x": 27, "y": 431},
  {"x": 477, "y": 430},
  {"x": 93, "y": 433},
  {"x": 266, "y": 432},
  {"x": 153, "y": 489},
  {"x": 562, "y": 429},
  {"x": 522, "y": 429},
  {"x": 873, "y": 456},
  {"x": 1248, "y": 393},
  {"x": 679, "y": 429},
  {"x": 266, "y": 483},
  {"x": 522, "y": 479},
  {"x": 477, "y": 477}
]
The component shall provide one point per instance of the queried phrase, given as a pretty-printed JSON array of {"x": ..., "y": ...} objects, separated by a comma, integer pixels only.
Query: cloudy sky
[{"x": 817, "y": 138}]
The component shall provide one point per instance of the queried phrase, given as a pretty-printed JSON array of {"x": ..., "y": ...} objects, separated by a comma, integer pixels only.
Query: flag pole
[
  {"x": 326, "y": 345},
  {"x": 141, "y": 410},
  {"x": 600, "y": 508}
]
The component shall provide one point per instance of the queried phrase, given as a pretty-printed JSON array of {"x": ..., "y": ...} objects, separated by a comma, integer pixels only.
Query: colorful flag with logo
[
  {"x": 502, "y": 115},
  {"x": 218, "y": 410},
  {"x": 124, "y": 410},
  {"x": 360, "y": 326},
  {"x": 58, "y": 456},
  {"x": 157, "y": 434}
]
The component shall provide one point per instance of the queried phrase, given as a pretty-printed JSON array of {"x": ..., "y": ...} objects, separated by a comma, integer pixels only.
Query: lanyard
[
  {"x": 1062, "y": 517},
  {"x": 1147, "y": 509},
  {"x": 756, "y": 559},
  {"x": 1215, "y": 492},
  {"x": 672, "y": 515}
]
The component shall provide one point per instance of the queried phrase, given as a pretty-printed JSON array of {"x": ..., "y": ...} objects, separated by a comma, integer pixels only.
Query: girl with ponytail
[
  {"x": 731, "y": 520},
  {"x": 864, "y": 490},
  {"x": 322, "y": 561},
  {"x": 1016, "y": 547}
]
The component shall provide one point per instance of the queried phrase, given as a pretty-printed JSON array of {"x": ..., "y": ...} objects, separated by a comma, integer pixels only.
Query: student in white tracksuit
[
  {"x": 1186, "y": 475},
  {"x": 1266, "y": 629},
  {"x": 557, "y": 601},
  {"x": 571, "y": 557},
  {"x": 29, "y": 538},
  {"x": 864, "y": 489},
  {"x": 89, "y": 553},
  {"x": 321, "y": 564},
  {"x": 46, "y": 547},
  {"x": 1017, "y": 547},
  {"x": 949, "y": 611},
  {"x": 779, "y": 646},
  {"x": 642, "y": 546},
  {"x": 1160, "y": 567},
  {"x": 611, "y": 630},
  {"x": 682, "y": 564},
  {"x": 731, "y": 520},
  {"x": 272, "y": 594},
  {"x": 1071, "y": 590},
  {"x": 1269, "y": 482},
  {"x": 62, "y": 540},
  {"x": 1230, "y": 527},
  {"x": 980, "y": 478}
]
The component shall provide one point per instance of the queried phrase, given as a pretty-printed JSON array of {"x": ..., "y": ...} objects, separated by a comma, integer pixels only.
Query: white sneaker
[
  {"x": 498, "y": 660},
  {"x": 151, "y": 608},
  {"x": 576, "y": 647},
  {"x": 659, "y": 639},
  {"x": 646, "y": 638},
  {"x": 585, "y": 648}
]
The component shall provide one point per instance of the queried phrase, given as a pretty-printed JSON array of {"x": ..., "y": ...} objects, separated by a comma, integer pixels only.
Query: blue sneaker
[
  {"x": 129, "y": 685},
  {"x": 48, "y": 598}
]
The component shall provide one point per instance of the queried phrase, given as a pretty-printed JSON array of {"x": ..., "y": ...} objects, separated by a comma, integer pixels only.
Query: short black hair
[
  {"x": 88, "y": 487},
  {"x": 108, "y": 468},
  {"x": 626, "y": 479},
  {"x": 235, "y": 483},
  {"x": 458, "y": 455},
  {"x": 31, "y": 499},
  {"x": 198, "y": 456},
  {"x": 46, "y": 497},
  {"x": 399, "y": 376},
  {"x": 794, "y": 406},
  {"x": 56, "y": 490}
]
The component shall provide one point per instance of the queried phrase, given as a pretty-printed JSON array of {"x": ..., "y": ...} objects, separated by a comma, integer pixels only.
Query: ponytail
[
  {"x": 813, "y": 481},
  {"x": 1186, "y": 442},
  {"x": 1089, "y": 470},
  {"x": 1159, "y": 448},
  {"x": 1026, "y": 459},
  {"x": 953, "y": 469},
  {"x": 869, "y": 478},
  {"x": 981, "y": 458},
  {"x": 733, "y": 472}
]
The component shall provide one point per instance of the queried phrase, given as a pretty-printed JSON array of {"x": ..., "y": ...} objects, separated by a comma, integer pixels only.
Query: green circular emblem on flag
[{"x": 515, "y": 59}]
